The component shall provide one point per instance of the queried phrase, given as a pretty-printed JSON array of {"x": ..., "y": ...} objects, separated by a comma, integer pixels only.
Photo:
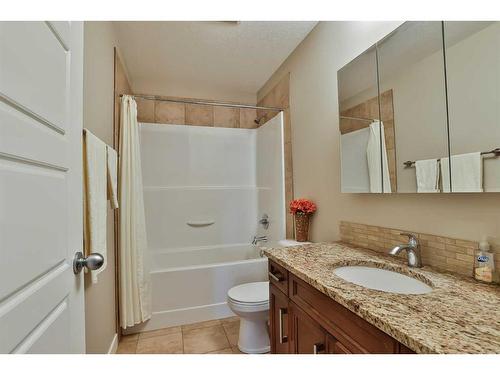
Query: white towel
[
  {"x": 112, "y": 168},
  {"x": 427, "y": 176},
  {"x": 95, "y": 209},
  {"x": 466, "y": 173},
  {"x": 379, "y": 173}
]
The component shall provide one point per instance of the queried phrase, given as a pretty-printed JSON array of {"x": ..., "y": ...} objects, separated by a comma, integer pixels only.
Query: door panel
[
  {"x": 41, "y": 84},
  {"x": 34, "y": 70},
  {"x": 33, "y": 218},
  {"x": 47, "y": 338},
  {"x": 279, "y": 321},
  {"x": 62, "y": 30},
  {"x": 335, "y": 347},
  {"x": 26, "y": 310},
  {"x": 25, "y": 137},
  {"x": 307, "y": 336}
]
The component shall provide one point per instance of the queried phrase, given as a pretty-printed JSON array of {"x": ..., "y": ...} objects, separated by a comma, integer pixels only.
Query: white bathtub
[{"x": 190, "y": 285}]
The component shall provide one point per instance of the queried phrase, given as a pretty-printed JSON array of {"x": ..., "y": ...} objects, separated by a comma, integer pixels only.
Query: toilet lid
[{"x": 250, "y": 293}]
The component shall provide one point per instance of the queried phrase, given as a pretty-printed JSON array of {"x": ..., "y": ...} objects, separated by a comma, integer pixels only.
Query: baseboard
[
  {"x": 114, "y": 345},
  {"x": 172, "y": 318}
]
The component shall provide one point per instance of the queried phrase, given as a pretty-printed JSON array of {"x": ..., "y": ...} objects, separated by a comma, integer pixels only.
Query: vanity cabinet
[
  {"x": 305, "y": 321},
  {"x": 279, "y": 321}
]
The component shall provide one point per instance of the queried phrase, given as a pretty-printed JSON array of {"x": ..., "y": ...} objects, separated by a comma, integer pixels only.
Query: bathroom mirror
[
  {"x": 413, "y": 103},
  {"x": 473, "y": 72},
  {"x": 360, "y": 144}
]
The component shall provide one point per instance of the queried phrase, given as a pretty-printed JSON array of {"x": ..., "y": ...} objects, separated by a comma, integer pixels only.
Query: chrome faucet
[
  {"x": 257, "y": 239},
  {"x": 412, "y": 250}
]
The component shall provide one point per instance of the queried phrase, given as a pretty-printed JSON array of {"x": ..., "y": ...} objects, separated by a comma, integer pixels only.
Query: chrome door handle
[
  {"x": 318, "y": 348},
  {"x": 274, "y": 277},
  {"x": 282, "y": 311},
  {"x": 93, "y": 262}
]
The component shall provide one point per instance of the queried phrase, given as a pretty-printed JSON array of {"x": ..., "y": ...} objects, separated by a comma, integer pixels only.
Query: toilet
[{"x": 251, "y": 303}]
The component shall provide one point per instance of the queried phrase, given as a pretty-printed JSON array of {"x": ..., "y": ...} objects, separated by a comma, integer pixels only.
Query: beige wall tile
[
  {"x": 450, "y": 254},
  {"x": 279, "y": 96},
  {"x": 200, "y": 115},
  {"x": 287, "y": 126},
  {"x": 170, "y": 113},
  {"x": 247, "y": 118},
  {"x": 226, "y": 117},
  {"x": 280, "y": 93},
  {"x": 288, "y": 160},
  {"x": 145, "y": 110}
]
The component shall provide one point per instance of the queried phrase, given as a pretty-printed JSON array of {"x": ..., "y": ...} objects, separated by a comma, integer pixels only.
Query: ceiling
[{"x": 208, "y": 60}]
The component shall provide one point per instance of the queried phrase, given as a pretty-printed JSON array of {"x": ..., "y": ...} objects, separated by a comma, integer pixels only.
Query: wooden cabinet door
[
  {"x": 334, "y": 346},
  {"x": 279, "y": 321},
  {"x": 307, "y": 336}
]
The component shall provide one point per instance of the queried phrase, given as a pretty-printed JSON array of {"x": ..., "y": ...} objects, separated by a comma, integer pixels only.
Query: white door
[{"x": 41, "y": 78}]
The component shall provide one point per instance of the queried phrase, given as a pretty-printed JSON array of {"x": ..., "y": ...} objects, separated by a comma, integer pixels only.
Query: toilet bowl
[{"x": 251, "y": 303}]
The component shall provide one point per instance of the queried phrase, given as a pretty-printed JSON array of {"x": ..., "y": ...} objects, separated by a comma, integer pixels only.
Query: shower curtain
[
  {"x": 378, "y": 170},
  {"x": 135, "y": 283}
]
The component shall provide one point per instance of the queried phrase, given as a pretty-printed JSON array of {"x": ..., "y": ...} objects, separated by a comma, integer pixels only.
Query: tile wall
[{"x": 449, "y": 254}]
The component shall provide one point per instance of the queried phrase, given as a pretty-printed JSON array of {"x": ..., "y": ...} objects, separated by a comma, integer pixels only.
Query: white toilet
[{"x": 251, "y": 303}]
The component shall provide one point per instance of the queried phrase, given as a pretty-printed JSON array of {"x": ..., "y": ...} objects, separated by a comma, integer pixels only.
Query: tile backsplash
[{"x": 450, "y": 254}]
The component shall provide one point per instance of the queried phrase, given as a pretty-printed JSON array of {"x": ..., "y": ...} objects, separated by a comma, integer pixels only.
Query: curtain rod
[{"x": 200, "y": 102}]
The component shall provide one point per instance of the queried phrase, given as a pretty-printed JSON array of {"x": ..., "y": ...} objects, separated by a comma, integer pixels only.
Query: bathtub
[{"x": 190, "y": 285}]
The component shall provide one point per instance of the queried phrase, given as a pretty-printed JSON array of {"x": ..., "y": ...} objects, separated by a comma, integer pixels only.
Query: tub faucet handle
[{"x": 264, "y": 221}]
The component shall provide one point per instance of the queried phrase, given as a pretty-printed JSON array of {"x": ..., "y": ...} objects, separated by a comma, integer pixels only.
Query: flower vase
[{"x": 301, "y": 227}]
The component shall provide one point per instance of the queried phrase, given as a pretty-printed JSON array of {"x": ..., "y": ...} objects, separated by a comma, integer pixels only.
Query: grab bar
[{"x": 200, "y": 223}]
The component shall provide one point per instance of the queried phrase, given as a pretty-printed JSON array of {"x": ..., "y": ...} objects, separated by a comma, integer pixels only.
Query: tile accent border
[
  {"x": 162, "y": 112},
  {"x": 449, "y": 254}
]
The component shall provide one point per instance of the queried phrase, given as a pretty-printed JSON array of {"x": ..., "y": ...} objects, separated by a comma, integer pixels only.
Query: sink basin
[{"x": 381, "y": 279}]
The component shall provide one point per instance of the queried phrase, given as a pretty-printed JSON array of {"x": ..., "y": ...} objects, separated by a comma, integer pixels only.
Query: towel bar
[{"x": 495, "y": 152}]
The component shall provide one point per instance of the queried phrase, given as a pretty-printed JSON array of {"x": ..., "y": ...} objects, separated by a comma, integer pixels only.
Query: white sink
[{"x": 381, "y": 279}]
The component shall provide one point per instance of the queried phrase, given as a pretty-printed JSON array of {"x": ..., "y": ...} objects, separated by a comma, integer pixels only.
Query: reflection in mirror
[
  {"x": 413, "y": 105},
  {"x": 473, "y": 75},
  {"x": 360, "y": 141}
]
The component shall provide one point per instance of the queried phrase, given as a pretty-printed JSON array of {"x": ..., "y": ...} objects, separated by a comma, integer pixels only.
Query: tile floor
[{"x": 210, "y": 337}]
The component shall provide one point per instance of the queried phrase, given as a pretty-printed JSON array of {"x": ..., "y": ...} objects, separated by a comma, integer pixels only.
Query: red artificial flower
[{"x": 302, "y": 206}]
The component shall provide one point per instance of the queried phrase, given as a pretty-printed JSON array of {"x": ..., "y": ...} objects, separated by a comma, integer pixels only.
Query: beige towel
[
  {"x": 112, "y": 168},
  {"x": 95, "y": 209}
]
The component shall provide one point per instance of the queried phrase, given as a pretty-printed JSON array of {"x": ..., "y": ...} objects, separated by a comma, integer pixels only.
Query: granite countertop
[{"x": 460, "y": 315}]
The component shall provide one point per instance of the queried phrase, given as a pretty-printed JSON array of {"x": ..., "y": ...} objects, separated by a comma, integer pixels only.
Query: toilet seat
[{"x": 252, "y": 294}]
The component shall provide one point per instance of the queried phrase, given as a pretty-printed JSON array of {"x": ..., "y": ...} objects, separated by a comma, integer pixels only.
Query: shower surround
[{"x": 205, "y": 189}]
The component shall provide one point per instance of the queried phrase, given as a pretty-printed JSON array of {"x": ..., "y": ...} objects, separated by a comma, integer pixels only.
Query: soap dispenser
[{"x": 484, "y": 264}]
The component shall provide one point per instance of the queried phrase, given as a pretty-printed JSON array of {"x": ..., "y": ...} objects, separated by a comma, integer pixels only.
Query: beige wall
[
  {"x": 100, "y": 312},
  {"x": 315, "y": 136}
]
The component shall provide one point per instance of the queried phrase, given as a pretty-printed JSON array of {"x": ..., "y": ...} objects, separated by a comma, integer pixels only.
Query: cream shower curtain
[
  {"x": 378, "y": 170},
  {"x": 135, "y": 283}
]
